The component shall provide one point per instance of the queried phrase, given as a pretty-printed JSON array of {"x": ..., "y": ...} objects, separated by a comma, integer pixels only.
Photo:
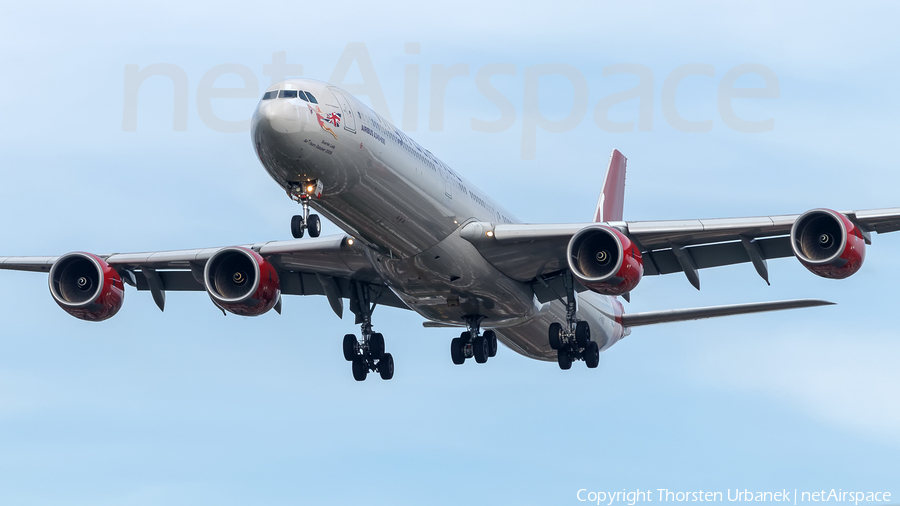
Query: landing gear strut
[
  {"x": 573, "y": 341},
  {"x": 470, "y": 344},
  {"x": 367, "y": 354},
  {"x": 300, "y": 193}
]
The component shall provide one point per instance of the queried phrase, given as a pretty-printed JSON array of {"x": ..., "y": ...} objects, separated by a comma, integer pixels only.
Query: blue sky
[{"x": 188, "y": 407}]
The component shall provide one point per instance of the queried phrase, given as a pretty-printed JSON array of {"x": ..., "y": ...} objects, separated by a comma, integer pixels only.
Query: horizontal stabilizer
[{"x": 680, "y": 315}]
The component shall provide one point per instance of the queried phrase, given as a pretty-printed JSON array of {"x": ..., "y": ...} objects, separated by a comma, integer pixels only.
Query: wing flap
[
  {"x": 292, "y": 283},
  {"x": 172, "y": 281},
  {"x": 715, "y": 255},
  {"x": 880, "y": 220}
]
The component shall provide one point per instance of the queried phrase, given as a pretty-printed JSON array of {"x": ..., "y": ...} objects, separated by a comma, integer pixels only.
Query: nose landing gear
[
  {"x": 573, "y": 341},
  {"x": 301, "y": 193},
  {"x": 470, "y": 344}
]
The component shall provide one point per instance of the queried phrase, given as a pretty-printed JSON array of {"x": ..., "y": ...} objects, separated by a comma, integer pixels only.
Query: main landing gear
[
  {"x": 301, "y": 193},
  {"x": 573, "y": 341},
  {"x": 471, "y": 344},
  {"x": 367, "y": 355}
]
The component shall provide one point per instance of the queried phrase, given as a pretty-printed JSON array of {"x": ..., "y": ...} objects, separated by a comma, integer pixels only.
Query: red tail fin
[{"x": 612, "y": 199}]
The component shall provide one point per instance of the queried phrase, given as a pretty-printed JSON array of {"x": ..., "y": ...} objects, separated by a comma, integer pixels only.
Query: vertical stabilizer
[{"x": 612, "y": 199}]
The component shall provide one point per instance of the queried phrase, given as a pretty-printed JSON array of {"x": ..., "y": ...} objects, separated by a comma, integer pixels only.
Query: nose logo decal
[{"x": 332, "y": 118}]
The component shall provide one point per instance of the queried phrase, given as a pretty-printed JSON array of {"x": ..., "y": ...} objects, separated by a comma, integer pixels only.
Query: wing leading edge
[
  {"x": 530, "y": 252},
  {"x": 332, "y": 266},
  {"x": 537, "y": 253}
]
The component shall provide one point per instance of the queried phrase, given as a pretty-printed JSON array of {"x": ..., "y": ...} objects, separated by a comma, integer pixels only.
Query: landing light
[
  {"x": 490, "y": 233},
  {"x": 350, "y": 241},
  {"x": 310, "y": 188}
]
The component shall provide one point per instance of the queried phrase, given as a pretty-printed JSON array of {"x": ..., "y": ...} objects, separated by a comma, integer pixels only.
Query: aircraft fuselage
[{"x": 407, "y": 207}]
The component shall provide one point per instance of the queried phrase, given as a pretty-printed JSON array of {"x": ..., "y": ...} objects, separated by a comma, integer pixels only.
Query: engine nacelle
[
  {"x": 242, "y": 282},
  {"x": 605, "y": 261},
  {"x": 828, "y": 244},
  {"x": 86, "y": 287}
]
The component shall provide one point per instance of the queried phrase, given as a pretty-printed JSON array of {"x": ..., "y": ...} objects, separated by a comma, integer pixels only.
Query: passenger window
[
  {"x": 270, "y": 95},
  {"x": 288, "y": 94},
  {"x": 312, "y": 98}
]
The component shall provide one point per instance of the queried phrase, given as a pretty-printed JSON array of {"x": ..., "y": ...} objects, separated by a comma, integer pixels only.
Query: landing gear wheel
[
  {"x": 456, "y": 351},
  {"x": 297, "y": 227},
  {"x": 314, "y": 224},
  {"x": 592, "y": 355},
  {"x": 481, "y": 349},
  {"x": 376, "y": 345},
  {"x": 564, "y": 358},
  {"x": 491, "y": 337},
  {"x": 555, "y": 333},
  {"x": 360, "y": 369},
  {"x": 351, "y": 347},
  {"x": 386, "y": 366},
  {"x": 582, "y": 334}
]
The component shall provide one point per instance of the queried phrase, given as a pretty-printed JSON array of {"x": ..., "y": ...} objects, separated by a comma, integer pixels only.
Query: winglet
[{"x": 611, "y": 204}]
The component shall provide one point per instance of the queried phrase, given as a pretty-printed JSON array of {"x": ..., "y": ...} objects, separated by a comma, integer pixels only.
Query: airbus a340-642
[{"x": 418, "y": 236}]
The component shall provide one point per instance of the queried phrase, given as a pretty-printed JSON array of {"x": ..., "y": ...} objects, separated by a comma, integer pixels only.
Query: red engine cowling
[
  {"x": 242, "y": 282},
  {"x": 86, "y": 287},
  {"x": 605, "y": 261},
  {"x": 828, "y": 244}
]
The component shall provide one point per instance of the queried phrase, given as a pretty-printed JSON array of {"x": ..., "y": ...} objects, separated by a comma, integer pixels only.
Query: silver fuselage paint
[{"x": 407, "y": 207}]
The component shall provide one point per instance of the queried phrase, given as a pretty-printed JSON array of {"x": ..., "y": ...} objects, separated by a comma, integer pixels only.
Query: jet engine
[
  {"x": 242, "y": 282},
  {"x": 605, "y": 261},
  {"x": 86, "y": 287},
  {"x": 828, "y": 244}
]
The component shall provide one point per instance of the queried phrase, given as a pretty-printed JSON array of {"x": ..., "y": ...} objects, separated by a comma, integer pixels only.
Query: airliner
[{"x": 418, "y": 236}]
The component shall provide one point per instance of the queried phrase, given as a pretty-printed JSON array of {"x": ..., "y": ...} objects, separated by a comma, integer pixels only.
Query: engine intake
[
  {"x": 86, "y": 287},
  {"x": 605, "y": 260},
  {"x": 242, "y": 282},
  {"x": 828, "y": 244}
]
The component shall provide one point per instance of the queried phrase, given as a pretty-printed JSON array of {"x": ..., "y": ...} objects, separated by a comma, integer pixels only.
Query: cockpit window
[
  {"x": 287, "y": 94},
  {"x": 303, "y": 95},
  {"x": 312, "y": 98},
  {"x": 270, "y": 95}
]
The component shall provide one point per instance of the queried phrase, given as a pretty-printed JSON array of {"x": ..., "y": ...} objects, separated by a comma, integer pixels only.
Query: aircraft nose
[
  {"x": 278, "y": 116},
  {"x": 275, "y": 132},
  {"x": 276, "y": 128}
]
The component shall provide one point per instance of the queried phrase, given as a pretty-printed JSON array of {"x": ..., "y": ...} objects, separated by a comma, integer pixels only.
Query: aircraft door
[
  {"x": 448, "y": 182},
  {"x": 349, "y": 114}
]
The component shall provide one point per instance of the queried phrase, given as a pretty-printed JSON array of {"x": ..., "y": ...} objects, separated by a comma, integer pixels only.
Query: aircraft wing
[
  {"x": 535, "y": 252},
  {"x": 330, "y": 266}
]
